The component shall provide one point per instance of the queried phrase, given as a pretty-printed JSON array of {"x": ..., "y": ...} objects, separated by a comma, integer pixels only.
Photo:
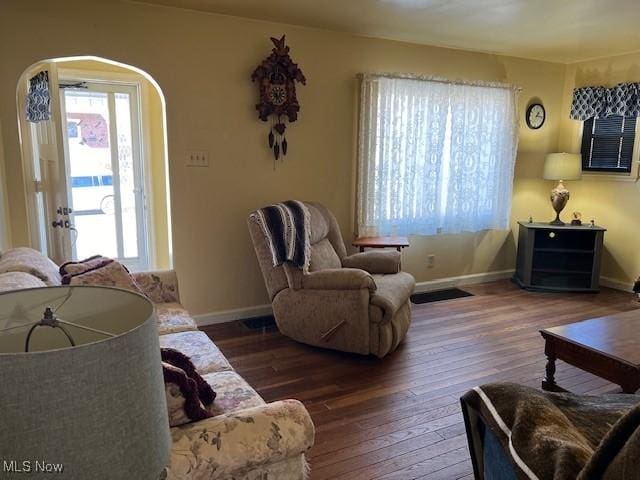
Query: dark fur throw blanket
[{"x": 561, "y": 436}]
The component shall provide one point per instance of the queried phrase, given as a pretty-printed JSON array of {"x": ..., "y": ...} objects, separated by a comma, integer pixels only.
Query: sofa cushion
[
  {"x": 172, "y": 318},
  {"x": 204, "y": 354},
  {"x": 232, "y": 393},
  {"x": 323, "y": 256},
  {"x": 18, "y": 280},
  {"x": 178, "y": 359},
  {"x": 28, "y": 260},
  {"x": 183, "y": 402}
]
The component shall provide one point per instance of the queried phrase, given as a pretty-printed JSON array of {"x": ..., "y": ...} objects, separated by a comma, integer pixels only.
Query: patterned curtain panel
[
  {"x": 598, "y": 102},
  {"x": 38, "y": 100},
  {"x": 434, "y": 156},
  {"x": 484, "y": 140}
]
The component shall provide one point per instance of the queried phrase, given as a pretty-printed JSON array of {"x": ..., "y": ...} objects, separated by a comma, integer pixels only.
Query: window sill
[{"x": 609, "y": 177}]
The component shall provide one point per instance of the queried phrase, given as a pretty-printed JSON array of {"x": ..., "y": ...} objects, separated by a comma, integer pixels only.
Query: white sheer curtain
[{"x": 434, "y": 157}]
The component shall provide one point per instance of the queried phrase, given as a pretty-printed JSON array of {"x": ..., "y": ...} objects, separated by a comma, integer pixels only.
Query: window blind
[{"x": 607, "y": 144}]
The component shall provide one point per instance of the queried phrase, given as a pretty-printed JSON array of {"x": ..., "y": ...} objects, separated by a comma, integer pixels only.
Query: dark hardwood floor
[{"x": 399, "y": 417}]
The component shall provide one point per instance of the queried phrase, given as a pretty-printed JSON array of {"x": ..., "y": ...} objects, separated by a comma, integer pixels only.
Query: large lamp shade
[
  {"x": 562, "y": 166},
  {"x": 97, "y": 409}
]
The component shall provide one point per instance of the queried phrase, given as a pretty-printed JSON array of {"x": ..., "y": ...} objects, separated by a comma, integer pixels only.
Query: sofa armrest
[
  {"x": 383, "y": 261},
  {"x": 160, "y": 286},
  {"x": 219, "y": 446},
  {"x": 339, "y": 279}
]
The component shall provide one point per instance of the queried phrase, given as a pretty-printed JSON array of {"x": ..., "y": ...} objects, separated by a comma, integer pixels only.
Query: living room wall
[
  {"x": 5, "y": 239},
  {"x": 203, "y": 63},
  {"x": 612, "y": 202}
]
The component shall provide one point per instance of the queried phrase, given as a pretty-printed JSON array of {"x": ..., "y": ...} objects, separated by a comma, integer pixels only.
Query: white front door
[{"x": 103, "y": 172}]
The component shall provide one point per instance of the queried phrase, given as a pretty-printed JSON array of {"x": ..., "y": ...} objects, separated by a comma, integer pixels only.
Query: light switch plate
[{"x": 197, "y": 158}]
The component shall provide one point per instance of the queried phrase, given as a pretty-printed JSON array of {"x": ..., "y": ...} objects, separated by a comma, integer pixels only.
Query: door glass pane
[
  {"x": 127, "y": 175},
  {"x": 91, "y": 173}
]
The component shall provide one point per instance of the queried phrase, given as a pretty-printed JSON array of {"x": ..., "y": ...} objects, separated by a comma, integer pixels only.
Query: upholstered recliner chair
[{"x": 357, "y": 303}]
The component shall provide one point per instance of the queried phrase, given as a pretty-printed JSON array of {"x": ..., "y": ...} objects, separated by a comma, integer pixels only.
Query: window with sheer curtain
[{"x": 434, "y": 156}]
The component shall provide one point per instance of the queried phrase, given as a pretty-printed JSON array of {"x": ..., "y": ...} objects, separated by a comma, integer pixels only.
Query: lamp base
[{"x": 559, "y": 198}]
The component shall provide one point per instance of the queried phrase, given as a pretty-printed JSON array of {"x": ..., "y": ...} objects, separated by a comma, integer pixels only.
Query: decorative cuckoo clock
[{"x": 277, "y": 76}]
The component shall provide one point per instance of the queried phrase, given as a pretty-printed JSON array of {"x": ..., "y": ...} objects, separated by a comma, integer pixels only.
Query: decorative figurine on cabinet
[{"x": 576, "y": 218}]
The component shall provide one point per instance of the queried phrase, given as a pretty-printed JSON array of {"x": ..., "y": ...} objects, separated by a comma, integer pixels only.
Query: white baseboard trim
[
  {"x": 224, "y": 316},
  {"x": 616, "y": 284},
  {"x": 471, "y": 279}
]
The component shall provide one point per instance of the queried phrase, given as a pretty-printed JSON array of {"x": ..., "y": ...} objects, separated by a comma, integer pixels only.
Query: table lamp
[
  {"x": 87, "y": 397},
  {"x": 561, "y": 166}
]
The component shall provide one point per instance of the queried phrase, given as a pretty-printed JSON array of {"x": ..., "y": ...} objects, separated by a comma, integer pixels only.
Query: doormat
[
  {"x": 260, "y": 323},
  {"x": 439, "y": 295}
]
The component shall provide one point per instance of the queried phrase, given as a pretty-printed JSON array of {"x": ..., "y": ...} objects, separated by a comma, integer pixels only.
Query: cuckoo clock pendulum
[{"x": 276, "y": 77}]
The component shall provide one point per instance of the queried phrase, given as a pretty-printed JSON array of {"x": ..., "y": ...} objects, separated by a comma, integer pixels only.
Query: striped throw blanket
[
  {"x": 561, "y": 436},
  {"x": 286, "y": 226}
]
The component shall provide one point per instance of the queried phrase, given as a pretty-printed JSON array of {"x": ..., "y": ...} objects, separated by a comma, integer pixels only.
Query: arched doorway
[{"x": 95, "y": 167}]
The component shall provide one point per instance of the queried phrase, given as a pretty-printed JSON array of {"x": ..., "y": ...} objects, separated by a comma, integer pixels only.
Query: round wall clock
[{"x": 535, "y": 115}]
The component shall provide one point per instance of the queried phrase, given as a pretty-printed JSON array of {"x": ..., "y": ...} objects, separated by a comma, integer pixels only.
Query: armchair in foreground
[{"x": 518, "y": 432}]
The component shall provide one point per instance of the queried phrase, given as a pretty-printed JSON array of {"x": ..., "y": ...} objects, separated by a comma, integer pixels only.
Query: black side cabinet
[{"x": 559, "y": 258}]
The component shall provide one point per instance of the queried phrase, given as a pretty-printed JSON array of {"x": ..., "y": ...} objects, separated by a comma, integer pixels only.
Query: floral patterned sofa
[{"x": 246, "y": 438}]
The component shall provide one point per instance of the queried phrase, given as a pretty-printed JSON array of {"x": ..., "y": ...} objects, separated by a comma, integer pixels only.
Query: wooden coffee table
[{"x": 608, "y": 347}]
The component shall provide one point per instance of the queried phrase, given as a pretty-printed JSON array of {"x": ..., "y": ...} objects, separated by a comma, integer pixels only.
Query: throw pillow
[
  {"x": 111, "y": 274},
  {"x": 74, "y": 268},
  {"x": 183, "y": 403},
  {"x": 28, "y": 260},
  {"x": 16, "y": 280}
]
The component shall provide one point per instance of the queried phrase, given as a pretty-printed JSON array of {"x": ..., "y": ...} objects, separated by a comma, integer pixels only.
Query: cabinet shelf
[
  {"x": 563, "y": 250},
  {"x": 562, "y": 270}
]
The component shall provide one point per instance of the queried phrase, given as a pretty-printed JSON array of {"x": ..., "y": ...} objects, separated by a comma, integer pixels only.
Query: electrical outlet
[
  {"x": 197, "y": 158},
  {"x": 431, "y": 261}
]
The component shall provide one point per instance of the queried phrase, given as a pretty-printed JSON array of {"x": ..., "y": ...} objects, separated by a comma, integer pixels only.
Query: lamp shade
[
  {"x": 97, "y": 409},
  {"x": 562, "y": 166}
]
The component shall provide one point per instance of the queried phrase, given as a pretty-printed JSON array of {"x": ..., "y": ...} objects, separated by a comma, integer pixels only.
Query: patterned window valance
[
  {"x": 589, "y": 102},
  {"x": 38, "y": 99}
]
